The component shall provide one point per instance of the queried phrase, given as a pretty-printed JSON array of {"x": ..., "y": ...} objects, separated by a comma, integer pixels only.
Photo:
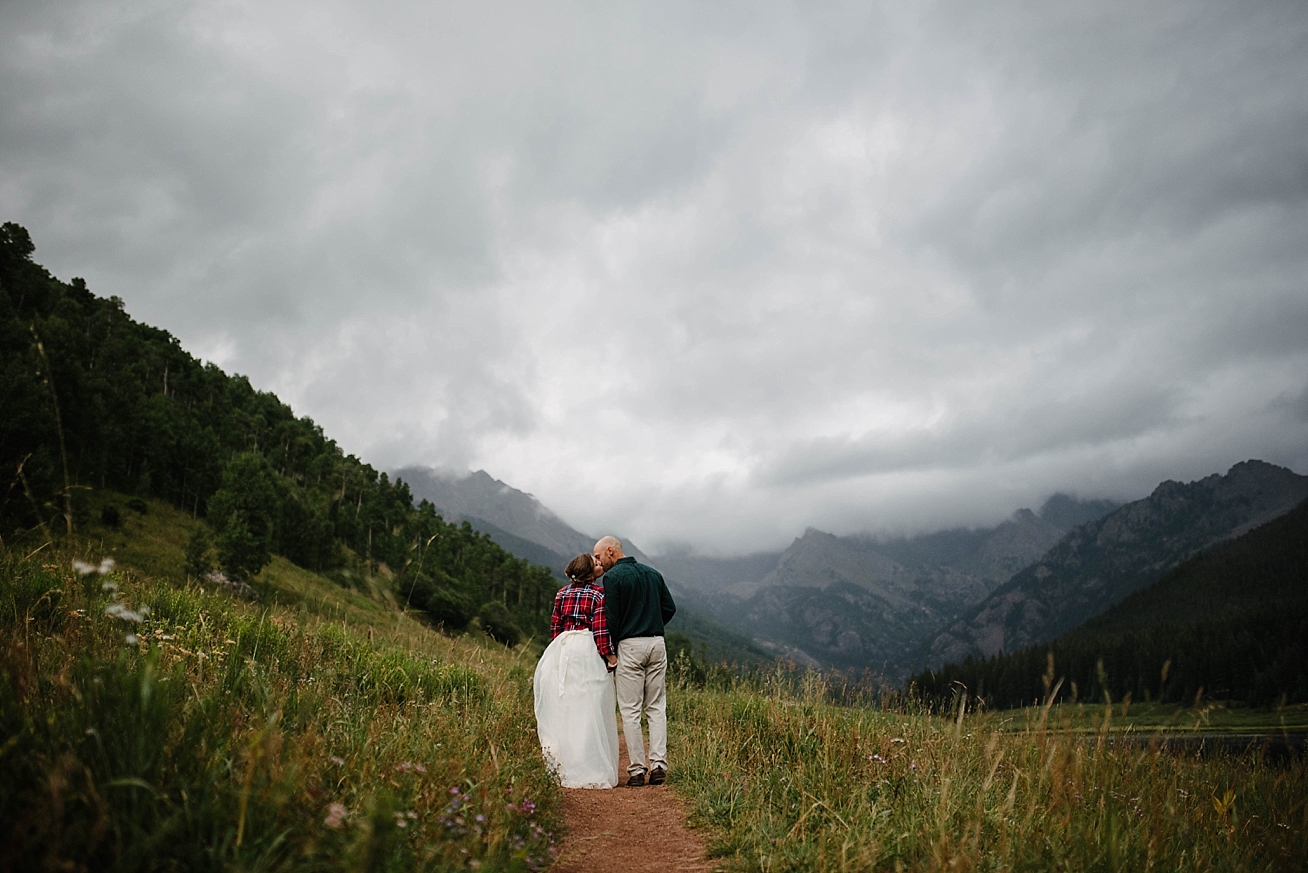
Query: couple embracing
[{"x": 599, "y": 634}]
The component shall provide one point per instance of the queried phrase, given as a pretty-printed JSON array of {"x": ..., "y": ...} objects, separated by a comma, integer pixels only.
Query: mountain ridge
[
  {"x": 1100, "y": 562},
  {"x": 1230, "y": 622}
]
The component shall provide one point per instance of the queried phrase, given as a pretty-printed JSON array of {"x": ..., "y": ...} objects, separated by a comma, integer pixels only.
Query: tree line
[
  {"x": 93, "y": 399},
  {"x": 1230, "y": 623}
]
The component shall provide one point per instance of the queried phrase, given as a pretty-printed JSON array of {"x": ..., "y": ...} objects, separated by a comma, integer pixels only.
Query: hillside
[
  {"x": 1101, "y": 562},
  {"x": 94, "y": 401},
  {"x": 154, "y": 723},
  {"x": 1230, "y": 623}
]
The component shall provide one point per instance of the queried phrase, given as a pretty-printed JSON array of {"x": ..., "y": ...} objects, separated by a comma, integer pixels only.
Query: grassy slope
[
  {"x": 786, "y": 781},
  {"x": 153, "y": 544},
  {"x": 320, "y": 731},
  {"x": 229, "y": 733}
]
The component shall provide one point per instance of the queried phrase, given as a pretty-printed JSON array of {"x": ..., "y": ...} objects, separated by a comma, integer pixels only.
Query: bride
[{"x": 575, "y": 700}]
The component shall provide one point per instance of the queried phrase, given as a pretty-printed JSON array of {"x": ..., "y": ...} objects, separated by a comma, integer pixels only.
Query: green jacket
[{"x": 637, "y": 600}]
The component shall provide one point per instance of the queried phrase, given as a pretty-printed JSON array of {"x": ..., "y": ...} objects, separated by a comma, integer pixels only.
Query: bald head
[{"x": 608, "y": 551}]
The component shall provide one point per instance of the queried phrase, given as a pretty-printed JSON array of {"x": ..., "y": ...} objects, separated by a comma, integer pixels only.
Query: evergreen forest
[
  {"x": 1229, "y": 624},
  {"x": 94, "y": 400}
]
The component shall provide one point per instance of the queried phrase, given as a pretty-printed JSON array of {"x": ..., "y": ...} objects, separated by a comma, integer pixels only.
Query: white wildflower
[{"x": 119, "y": 610}]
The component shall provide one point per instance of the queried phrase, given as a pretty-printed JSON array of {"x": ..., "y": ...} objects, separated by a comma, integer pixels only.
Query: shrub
[
  {"x": 199, "y": 559},
  {"x": 138, "y": 505},
  {"x": 451, "y": 609},
  {"x": 110, "y": 517},
  {"x": 239, "y": 551},
  {"x": 498, "y": 623}
]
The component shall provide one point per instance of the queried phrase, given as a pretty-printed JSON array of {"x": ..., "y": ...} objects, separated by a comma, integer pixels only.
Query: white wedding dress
[{"x": 575, "y": 705}]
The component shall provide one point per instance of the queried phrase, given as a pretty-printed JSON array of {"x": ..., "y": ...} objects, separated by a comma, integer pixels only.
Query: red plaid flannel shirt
[{"x": 580, "y": 606}]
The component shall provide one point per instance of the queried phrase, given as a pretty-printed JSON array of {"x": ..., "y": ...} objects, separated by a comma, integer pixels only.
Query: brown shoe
[
  {"x": 636, "y": 781},
  {"x": 657, "y": 776}
]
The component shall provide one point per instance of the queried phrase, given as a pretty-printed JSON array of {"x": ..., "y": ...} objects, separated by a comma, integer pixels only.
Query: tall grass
[
  {"x": 186, "y": 731},
  {"x": 782, "y": 779}
]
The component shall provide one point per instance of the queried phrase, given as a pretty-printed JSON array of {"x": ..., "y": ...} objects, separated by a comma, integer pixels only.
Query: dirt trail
[{"x": 628, "y": 830}]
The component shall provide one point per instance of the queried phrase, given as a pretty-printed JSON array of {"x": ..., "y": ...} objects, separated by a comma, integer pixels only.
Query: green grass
[
  {"x": 319, "y": 730},
  {"x": 322, "y": 730},
  {"x": 781, "y": 779}
]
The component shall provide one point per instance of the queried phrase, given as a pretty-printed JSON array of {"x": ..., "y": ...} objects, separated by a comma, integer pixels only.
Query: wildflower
[
  {"x": 105, "y": 566},
  {"x": 898, "y": 740},
  {"x": 119, "y": 610},
  {"x": 338, "y": 761},
  {"x": 335, "y": 816},
  {"x": 877, "y": 758}
]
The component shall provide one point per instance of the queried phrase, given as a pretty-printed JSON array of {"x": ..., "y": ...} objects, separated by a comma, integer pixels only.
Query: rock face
[
  {"x": 478, "y": 497},
  {"x": 1100, "y": 562},
  {"x": 846, "y": 602}
]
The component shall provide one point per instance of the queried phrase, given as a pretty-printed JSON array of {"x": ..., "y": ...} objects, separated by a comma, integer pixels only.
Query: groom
[{"x": 638, "y": 605}]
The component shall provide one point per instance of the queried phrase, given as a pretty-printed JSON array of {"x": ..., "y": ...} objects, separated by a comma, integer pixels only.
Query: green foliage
[
  {"x": 1230, "y": 624},
  {"x": 110, "y": 516},
  {"x": 498, "y": 623},
  {"x": 241, "y": 553},
  {"x": 450, "y": 608},
  {"x": 242, "y": 513},
  {"x": 780, "y": 779},
  {"x": 141, "y": 416},
  {"x": 218, "y": 737},
  {"x": 683, "y": 663},
  {"x": 199, "y": 552}
]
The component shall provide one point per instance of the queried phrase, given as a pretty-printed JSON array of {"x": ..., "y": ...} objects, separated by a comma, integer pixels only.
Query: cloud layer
[{"x": 705, "y": 275}]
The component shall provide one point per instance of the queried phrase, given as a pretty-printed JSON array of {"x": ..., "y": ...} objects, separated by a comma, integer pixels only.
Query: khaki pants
[{"x": 642, "y": 687}]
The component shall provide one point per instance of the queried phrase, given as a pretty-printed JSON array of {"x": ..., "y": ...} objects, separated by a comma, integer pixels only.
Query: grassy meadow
[
  {"x": 148, "y": 723},
  {"x": 781, "y": 779}
]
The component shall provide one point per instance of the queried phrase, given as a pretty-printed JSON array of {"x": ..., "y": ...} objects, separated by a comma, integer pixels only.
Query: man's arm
[
  {"x": 666, "y": 605},
  {"x": 613, "y": 606}
]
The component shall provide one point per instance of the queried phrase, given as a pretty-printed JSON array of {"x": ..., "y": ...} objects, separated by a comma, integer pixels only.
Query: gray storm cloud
[{"x": 705, "y": 275}]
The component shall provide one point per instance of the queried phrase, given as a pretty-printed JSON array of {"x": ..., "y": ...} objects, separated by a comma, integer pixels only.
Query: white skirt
[{"x": 575, "y": 719}]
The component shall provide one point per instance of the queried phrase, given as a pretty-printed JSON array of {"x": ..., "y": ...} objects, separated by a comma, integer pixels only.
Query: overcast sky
[{"x": 702, "y": 273}]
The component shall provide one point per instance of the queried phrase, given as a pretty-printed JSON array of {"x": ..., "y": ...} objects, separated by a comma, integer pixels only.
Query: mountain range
[
  {"x": 858, "y": 602},
  {"x": 893, "y": 605},
  {"x": 1230, "y": 623},
  {"x": 1100, "y": 562}
]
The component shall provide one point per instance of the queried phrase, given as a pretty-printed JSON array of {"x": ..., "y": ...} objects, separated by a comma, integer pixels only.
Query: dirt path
[{"x": 628, "y": 830}]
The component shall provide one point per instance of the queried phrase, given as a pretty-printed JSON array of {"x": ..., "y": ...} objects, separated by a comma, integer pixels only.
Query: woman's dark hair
[{"x": 581, "y": 568}]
